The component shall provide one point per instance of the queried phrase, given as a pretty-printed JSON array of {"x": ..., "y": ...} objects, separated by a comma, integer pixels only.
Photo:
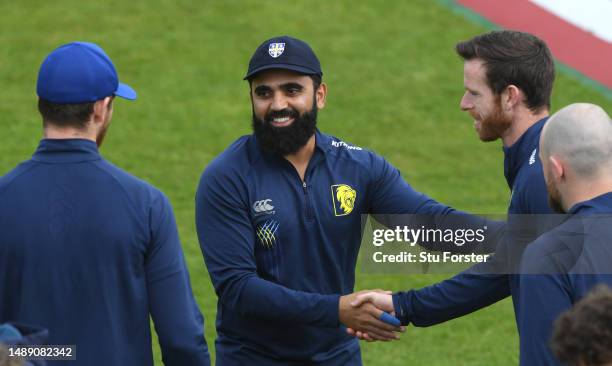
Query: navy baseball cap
[
  {"x": 79, "y": 72},
  {"x": 284, "y": 53}
]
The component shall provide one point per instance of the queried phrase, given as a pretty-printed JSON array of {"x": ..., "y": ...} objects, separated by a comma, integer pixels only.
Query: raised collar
[
  {"x": 521, "y": 151},
  {"x": 323, "y": 141},
  {"x": 66, "y": 151},
  {"x": 601, "y": 204}
]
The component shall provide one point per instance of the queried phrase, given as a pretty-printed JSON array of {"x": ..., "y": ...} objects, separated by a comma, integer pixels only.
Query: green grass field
[{"x": 394, "y": 86}]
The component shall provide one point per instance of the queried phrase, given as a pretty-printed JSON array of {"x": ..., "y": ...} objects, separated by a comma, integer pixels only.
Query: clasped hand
[{"x": 360, "y": 312}]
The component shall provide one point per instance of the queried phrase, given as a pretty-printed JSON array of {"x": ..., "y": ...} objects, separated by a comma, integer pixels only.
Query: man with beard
[
  {"x": 508, "y": 79},
  {"x": 561, "y": 266},
  {"x": 88, "y": 251},
  {"x": 279, "y": 217}
]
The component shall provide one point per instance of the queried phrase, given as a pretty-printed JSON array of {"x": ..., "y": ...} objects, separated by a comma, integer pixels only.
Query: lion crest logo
[{"x": 343, "y": 198}]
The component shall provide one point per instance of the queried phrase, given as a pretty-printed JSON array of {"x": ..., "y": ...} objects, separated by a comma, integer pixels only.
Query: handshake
[{"x": 369, "y": 314}]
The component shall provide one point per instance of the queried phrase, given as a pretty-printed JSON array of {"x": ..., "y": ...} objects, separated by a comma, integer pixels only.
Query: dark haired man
[
  {"x": 508, "y": 78},
  {"x": 581, "y": 335},
  {"x": 86, "y": 250},
  {"x": 279, "y": 217}
]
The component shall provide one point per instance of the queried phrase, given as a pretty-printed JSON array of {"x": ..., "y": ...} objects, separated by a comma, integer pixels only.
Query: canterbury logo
[
  {"x": 343, "y": 197},
  {"x": 263, "y": 206}
]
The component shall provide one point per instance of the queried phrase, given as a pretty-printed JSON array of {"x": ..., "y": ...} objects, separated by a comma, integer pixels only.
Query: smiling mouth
[{"x": 281, "y": 121}]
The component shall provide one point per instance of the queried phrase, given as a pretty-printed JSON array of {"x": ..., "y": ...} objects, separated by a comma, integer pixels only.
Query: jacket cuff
[
  {"x": 400, "y": 311},
  {"x": 332, "y": 312}
]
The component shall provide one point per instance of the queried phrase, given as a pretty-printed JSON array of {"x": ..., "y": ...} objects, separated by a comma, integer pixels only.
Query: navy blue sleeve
[
  {"x": 227, "y": 240},
  {"x": 475, "y": 288},
  {"x": 176, "y": 316},
  {"x": 395, "y": 203},
  {"x": 480, "y": 286},
  {"x": 460, "y": 295}
]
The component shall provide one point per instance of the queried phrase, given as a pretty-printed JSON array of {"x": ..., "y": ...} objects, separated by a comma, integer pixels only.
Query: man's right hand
[
  {"x": 361, "y": 314},
  {"x": 382, "y": 300}
]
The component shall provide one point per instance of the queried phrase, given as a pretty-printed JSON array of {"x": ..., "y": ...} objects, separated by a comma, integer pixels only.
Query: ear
[
  {"x": 557, "y": 167},
  {"x": 321, "y": 95},
  {"x": 101, "y": 109},
  {"x": 511, "y": 97}
]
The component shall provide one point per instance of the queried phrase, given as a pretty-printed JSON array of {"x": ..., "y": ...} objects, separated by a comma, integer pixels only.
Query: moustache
[{"x": 287, "y": 112}]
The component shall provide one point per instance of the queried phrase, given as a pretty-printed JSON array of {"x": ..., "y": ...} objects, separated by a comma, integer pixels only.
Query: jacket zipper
[{"x": 309, "y": 213}]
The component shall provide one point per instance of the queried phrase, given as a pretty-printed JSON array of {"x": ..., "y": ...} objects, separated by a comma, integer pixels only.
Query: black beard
[{"x": 285, "y": 140}]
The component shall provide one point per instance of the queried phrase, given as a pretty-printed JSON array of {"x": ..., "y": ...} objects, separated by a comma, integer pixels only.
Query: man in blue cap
[
  {"x": 86, "y": 250},
  {"x": 18, "y": 337},
  {"x": 279, "y": 218}
]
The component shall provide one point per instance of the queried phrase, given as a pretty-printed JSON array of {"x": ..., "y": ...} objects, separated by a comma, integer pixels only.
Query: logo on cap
[{"x": 276, "y": 49}]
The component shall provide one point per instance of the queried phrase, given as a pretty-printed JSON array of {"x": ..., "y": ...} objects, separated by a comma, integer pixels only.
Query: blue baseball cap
[
  {"x": 9, "y": 332},
  {"x": 79, "y": 72},
  {"x": 284, "y": 53}
]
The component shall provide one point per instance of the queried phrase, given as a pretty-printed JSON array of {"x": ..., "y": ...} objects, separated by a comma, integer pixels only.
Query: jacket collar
[
  {"x": 519, "y": 152},
  {"x": 601, "y": 204},
  {"x": 66, "y": 151}
]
